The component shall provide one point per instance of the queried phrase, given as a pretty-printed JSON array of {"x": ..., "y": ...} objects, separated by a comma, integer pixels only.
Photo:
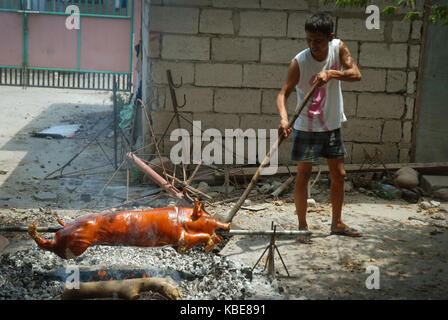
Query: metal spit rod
[
  {"x": 265, "y": 232},
  {"x": 222, "y": 232}
]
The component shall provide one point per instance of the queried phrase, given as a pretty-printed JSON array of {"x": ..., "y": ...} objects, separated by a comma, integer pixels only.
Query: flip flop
[{"x": 349, "y": 232}]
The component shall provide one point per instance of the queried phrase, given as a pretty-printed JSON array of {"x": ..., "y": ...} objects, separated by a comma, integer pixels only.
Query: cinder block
[
  {"x": 264, "y": 121},
  {"x": 197, "y": 99},
  {"x": 409, "y": 108},
  {"x": 179, "y": 70},
  {"x": 185, "y": 47},
  {"x": 380, "y": 106},
  {"x": 350, "y": 102},
  {"x": 264, "y": 76},
  {"x": 235, "y": 49},
  {"x": 396, "y": 81},
  {"x": 414, "y": 56},
  {"x": 296, "y": 24},
  {"x": 280, "y": 50},
  {"x": 373, "y": 80},
  {"x": 432, "y": 183},
  {"x": 407, "y": 132},
  {"x": 416, "y": 33},
  {"x": 353, "y": 48},
  {"x": 237, "y": 101},
  {"x": 269, "y": 102},
  {"x": 161, "y": 120},
  {"x": 285, "y": 4},
  {"x": 263, "y": 23},
  {"x": 383, "y": 55},
  {"x": 404, "y": 156},
  {"x": 218, "y": 21},
  {"x": 154, "y": 45},
  {"x": 332, "y": 8},
  {"x": 193, "y": 3},
  {"x": 355, "y": 29},
  {"x": 388, "y": 153},
  {"x": 349, "y": 150},
  {"x": 362, "y": 130},
  {"x": 211, "y": 120},
  {"x": 411, "y": 82},
  {"x": 392, "y": 131},
  {"x": 400, "y": 31},
  {"x": 236, "y": 3},
  {"x": 218, "y": 75},
  {"x": 174, "y": 19},
  {"x": 157, "y": 98}
]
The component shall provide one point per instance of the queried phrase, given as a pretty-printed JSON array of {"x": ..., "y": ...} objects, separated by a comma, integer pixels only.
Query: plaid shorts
[{"x": 309, "y": 146}]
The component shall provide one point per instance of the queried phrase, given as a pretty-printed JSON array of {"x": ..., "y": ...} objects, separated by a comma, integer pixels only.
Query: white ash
[{"x": 216, "y": 277}]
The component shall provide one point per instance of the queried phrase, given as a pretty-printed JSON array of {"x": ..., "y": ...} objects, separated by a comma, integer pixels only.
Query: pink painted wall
[
  {"x": 105, "y": 44},
  {"x": 50, "y": 43},
  {"x": 10, "y": 39}
]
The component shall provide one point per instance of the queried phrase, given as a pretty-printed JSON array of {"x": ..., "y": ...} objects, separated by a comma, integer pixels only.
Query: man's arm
[
  {"x": 350, "y": 73},
  {"x": 292, "y": 79}
]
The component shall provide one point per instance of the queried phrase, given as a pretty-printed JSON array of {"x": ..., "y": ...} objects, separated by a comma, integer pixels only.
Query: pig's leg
[
  {"x": 194, "y": 239},
  {"x": 64, "y": 246},
  {"x": 45, "y": 244}
]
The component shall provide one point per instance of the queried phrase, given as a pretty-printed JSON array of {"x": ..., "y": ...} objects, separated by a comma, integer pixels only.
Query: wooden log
[
  {"x": 161, "y": 182},
  {"x": 129, "y": 289},
  {"x": 284, "y": 185}
]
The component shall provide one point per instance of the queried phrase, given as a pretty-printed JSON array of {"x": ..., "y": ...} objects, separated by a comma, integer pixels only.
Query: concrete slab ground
[
  {"x": 432, "y": 183},
  {"x": 25, "y": 160}
]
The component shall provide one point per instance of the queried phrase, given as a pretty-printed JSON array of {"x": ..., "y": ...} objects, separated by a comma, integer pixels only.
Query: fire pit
[{"x": 35, "y": 274}]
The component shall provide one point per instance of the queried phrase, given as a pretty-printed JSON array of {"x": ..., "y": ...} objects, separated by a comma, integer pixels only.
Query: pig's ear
[{"x": 197, "y": 212}]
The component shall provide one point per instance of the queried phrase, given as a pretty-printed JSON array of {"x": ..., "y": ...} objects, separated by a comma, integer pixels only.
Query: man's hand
[
  {"x": 322, "y": 78},
  {"x": 283, "y": 129}
]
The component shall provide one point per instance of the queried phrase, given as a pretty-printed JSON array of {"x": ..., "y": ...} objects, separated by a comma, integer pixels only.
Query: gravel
[{"x": 24, "y": 273}]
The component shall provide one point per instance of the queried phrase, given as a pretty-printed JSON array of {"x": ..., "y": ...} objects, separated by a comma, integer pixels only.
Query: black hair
[{"x": 319, "y": 22}]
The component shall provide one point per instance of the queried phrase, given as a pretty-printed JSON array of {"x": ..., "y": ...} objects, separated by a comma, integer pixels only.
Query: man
[{"x": 316, "y": 132}]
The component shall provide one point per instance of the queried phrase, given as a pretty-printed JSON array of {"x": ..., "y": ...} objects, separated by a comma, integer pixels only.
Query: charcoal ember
[{"x": 198, "y": 274}]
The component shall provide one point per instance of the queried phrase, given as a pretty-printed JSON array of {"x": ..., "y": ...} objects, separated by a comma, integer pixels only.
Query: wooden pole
[
  {"x": 129, "y": 289},
  {"x": 164, "y": 184}
]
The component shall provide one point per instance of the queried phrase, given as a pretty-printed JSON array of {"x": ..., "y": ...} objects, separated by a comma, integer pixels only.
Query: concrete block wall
[{"x": 232, "y": 56}]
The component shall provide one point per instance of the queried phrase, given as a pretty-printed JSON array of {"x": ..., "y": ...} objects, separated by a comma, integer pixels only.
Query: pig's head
[{"x": 202, "y": 222}]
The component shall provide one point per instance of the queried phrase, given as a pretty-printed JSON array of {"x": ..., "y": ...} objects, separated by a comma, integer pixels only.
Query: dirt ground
[{"x": 411, "y": 255}]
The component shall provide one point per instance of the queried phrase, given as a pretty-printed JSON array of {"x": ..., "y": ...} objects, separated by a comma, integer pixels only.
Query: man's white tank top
[{"x": 325, "y": 111}]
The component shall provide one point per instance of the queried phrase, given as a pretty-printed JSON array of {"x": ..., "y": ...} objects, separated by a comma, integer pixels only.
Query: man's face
[{"x": 318, "y": 44}]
